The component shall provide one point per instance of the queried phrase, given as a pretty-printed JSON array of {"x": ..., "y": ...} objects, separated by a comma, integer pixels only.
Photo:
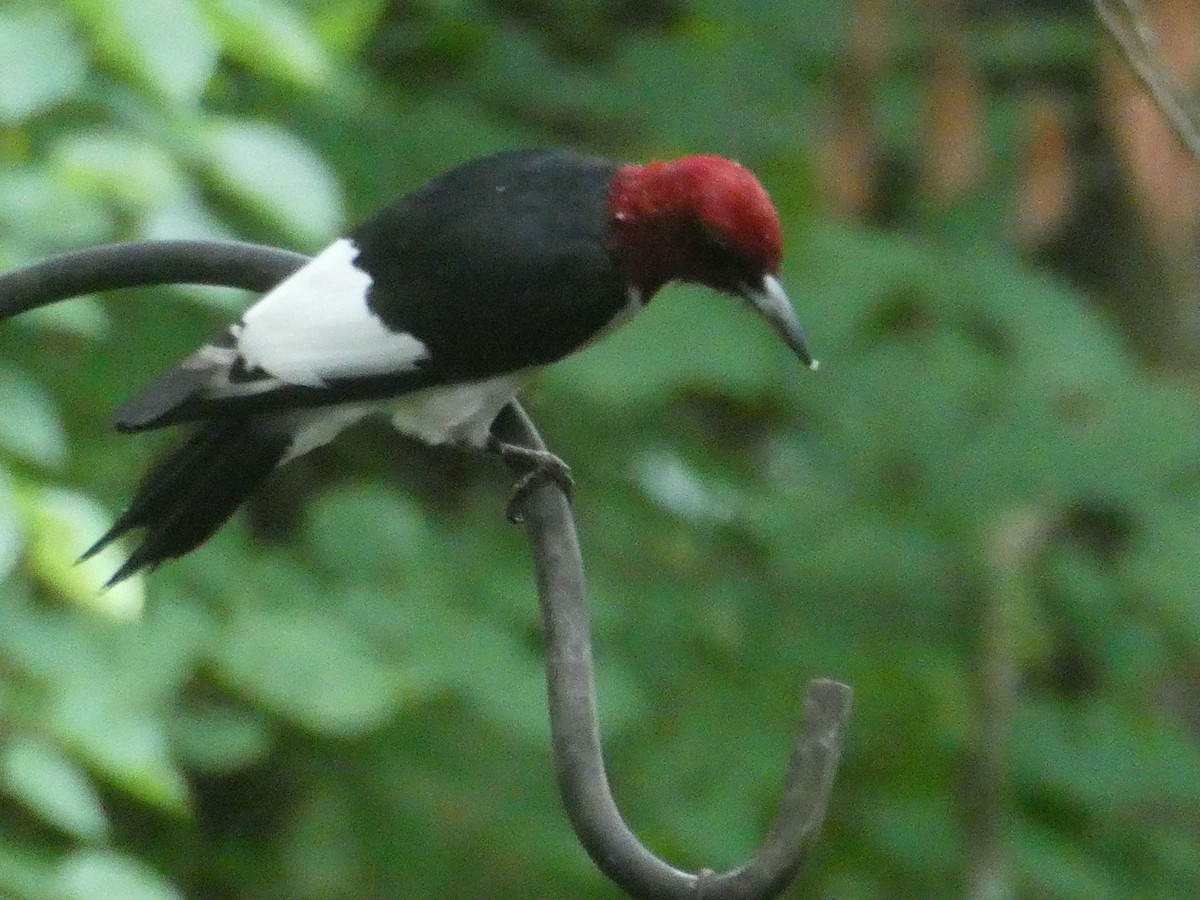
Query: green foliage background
[{"x": 981, "y": 513}]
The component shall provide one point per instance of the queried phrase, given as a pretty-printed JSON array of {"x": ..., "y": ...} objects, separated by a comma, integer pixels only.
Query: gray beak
[{"x": 770, "y": 299}]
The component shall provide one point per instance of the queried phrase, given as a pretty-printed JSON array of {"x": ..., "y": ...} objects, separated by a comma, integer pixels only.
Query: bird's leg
[{"x": 540, "y": 465}]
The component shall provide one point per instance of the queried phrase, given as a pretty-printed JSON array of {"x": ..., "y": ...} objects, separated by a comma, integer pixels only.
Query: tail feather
[
  {"x": 160, "y": 486},
  {"x": 195, "y": 489}
]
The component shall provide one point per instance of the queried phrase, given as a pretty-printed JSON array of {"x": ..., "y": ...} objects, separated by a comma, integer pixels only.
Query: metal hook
[
  {"x": 582, "y": 779},
  {"x": 575, "y": 730}
]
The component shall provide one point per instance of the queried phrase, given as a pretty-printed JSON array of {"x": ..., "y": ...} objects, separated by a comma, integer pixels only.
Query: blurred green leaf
[
  {"x": 48, "y": 214},
  {"x": 82, "y": 318},
  {"x": 310, "y": 668},
  {"x": 1053, "y": 867},
  {"x": 1038, "y": 38},
  {"x": 220, "y": 740},
  {"x": 11, "y": 535},
  {"x": 713, "y": 87},
  {"x": 26, "y": 873},
  {"x": 92, "y": 874},
  {"x": 393, "y": 549},
  {"x": 120, "y": 167},
  {"x": 1106, "y": 758},
  {"x": 41, "y": 62},
  {"x": 60, "y": 526},
  {"x": 184, "y": 215},
  {"x": 916, "y": 833},
  {"x": 278, "y": 176},
  {"x": 345, "y": 27},
  {"x": 679, "y": 489},
  {"x": 29, "y": 424},
  {"x": 165, "y": 44},
  {"x": 54, "y": 788},
  {"x": 321, "y": 845},
  {"x": 125, "y": 745},
  {"x": 504, "y": 681},
  {"x": 269, "y": 37}
]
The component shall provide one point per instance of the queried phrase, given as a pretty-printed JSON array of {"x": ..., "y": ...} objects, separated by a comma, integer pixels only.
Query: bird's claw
[
  {"x": 552, "y": 469},
  {"x": 541, "y": 466}
]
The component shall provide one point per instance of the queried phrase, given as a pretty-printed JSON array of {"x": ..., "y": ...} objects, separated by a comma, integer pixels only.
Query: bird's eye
[
  {"x": 719, "y": 254},
  {"x": 722, "y": 261},
  {"x": 715, "y": 243}
]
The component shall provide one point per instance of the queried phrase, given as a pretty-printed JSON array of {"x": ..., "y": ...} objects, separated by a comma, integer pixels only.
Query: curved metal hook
[
  {"x": 253, "y": 267},
  {"x": 578, "y": 756},
  {"x": 575, "y": 729}
]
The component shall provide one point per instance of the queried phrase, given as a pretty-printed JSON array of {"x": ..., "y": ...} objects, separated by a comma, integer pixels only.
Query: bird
[{"x": 436, "y": 311}]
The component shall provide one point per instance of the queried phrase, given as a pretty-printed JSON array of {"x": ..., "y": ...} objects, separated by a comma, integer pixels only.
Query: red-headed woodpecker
[{"x": 436, "y": 311}]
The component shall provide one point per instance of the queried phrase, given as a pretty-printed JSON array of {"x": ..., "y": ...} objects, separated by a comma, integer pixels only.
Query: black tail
[{"x": 195, "y": 489}]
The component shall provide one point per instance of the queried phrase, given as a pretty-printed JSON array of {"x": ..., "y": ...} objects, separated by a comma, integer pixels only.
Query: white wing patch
[{"x": 316, "y": 325}]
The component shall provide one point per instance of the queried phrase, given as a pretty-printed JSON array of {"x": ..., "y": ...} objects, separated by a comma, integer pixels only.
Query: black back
[{"x": 498, "y": 264}]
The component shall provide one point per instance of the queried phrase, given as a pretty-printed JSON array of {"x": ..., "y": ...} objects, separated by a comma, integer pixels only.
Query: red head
[
  {"x": 706, "y": 220},
  {"x": 701, "y": 218}
]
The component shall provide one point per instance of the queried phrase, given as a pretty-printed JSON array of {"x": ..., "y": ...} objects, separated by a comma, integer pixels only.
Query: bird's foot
[{"x": 540, "y": 465}]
